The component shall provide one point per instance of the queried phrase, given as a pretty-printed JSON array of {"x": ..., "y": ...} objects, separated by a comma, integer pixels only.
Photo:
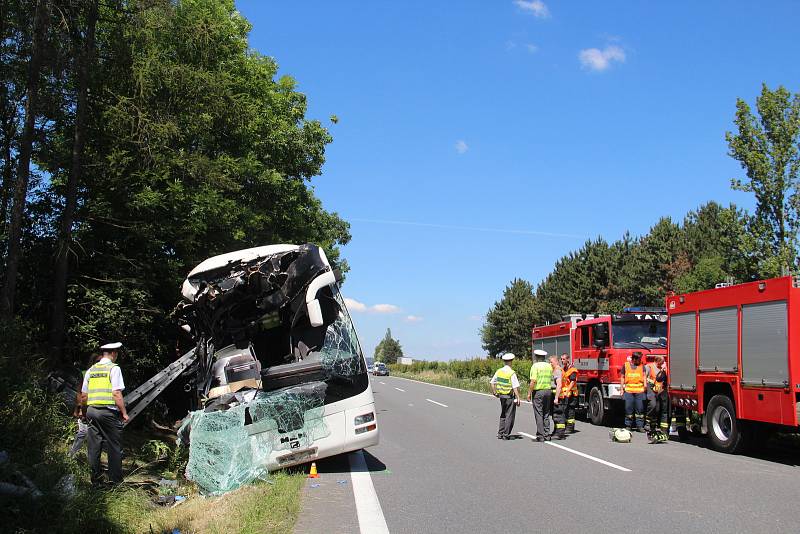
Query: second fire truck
[{"x": 599, "y": 346}]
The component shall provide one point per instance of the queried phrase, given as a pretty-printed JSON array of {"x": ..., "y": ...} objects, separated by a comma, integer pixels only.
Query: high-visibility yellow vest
[
  {"x": 100, "y": 393},
  {"x": 634, "y": 378},
  {"x": 569, "y": 388},
  {"x": 543, "y": 372},
  {"x": 503, "y": 378}
]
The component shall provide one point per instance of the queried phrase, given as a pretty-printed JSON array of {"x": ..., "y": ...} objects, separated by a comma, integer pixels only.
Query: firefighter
[
  {"x": 557, "y": 407},
  {"x": 634, "y": 392},
  {"x": 106, "y": 413},
  {"x": 658, "y": 412},
  {"x": 541, "y": 376},
  {"x": 650, "y": 372},
  {"x": 569, "y": 389},
  {"x": 503, "y": 384}
]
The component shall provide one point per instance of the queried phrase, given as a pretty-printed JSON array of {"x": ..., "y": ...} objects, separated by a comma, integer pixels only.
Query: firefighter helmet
[{"x": 620, "y": 435}]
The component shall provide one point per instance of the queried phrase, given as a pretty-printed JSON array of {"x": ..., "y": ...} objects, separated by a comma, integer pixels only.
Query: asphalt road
[{"x": 441, "y": 469}]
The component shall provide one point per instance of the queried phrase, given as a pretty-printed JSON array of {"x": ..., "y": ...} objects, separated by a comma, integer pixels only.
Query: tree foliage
[
  {"x": 388, "y": 349},
  {"x": 508, "y": 323},
  {"x": 768, "y": 148},
  {"x": 192, "y": 146}
]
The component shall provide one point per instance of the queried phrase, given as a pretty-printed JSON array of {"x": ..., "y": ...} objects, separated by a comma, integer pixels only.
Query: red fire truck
[
  {"x": 734, "y": 361},
  {"x": 599, "y": 346}
]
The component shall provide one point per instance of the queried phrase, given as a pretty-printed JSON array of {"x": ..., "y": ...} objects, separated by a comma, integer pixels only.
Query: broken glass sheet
[
  {"x": 341, "y": 354},
  {"x": 232, "y": 447}
]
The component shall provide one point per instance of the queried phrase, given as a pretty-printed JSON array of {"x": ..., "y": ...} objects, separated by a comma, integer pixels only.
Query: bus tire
[
  {"x": 595, "y": 411},
  {"x": 724, "y": 430}
]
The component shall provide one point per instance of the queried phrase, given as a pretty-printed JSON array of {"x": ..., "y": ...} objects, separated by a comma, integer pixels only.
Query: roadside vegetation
[
  {"x": 36, "y": 432},
  {"x": 472, "y": 375}
]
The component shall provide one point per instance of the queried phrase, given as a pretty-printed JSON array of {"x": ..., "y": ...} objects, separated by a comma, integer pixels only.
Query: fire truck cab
[
  {"x": 734, "y": 361},
  {"x": 599, "y": 347}
]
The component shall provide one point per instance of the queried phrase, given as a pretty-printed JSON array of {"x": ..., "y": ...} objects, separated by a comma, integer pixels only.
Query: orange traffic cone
[{"x": 313, "y": 473}]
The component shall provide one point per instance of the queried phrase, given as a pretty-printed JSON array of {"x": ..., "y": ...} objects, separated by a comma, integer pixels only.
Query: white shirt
[
  {"x": 117, "y": 383},
  {"x": 514, "y": 379}
]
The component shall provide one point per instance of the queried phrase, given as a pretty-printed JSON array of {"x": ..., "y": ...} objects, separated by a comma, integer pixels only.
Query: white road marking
[
  {"x": 368, "y": 507},
  {"x": 384, "y": 383},
  {"x": 398, "y": 389},
  {"x": 439, "y": 403},
  {"x": 573, "y": 451},
  {"x": 454, "y": 389}
]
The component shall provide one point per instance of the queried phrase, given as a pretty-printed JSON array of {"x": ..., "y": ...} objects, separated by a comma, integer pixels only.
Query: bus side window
[{"x": 585, "y": 344}]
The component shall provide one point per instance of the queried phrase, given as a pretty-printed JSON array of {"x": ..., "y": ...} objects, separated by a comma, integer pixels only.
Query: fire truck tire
[
  {"x": 724, "y": 430},
  {"x": 595, "y": 410}
]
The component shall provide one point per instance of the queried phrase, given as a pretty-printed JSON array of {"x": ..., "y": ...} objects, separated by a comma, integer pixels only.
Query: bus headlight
[{"x": 364, "y": 419}]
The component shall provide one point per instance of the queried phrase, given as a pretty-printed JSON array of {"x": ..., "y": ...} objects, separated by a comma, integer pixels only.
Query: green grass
[{"x": 480, "y": 385}]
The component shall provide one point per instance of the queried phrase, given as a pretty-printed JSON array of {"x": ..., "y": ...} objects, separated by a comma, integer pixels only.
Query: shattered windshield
[{"x": 646, "y": 334}]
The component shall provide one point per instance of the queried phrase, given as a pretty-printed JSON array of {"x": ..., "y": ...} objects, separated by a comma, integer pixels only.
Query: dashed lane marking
[
  {"x": 368, "y": 507},
  {"x": 398, "y": 389},
  {"x": 384, "y": 383},
  {"x": 579, "y": 453},
  {"x": 439, "y": 403}
]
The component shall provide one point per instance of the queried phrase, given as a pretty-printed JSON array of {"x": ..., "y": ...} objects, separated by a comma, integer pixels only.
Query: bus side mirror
[{"x": 315, "y": 313}]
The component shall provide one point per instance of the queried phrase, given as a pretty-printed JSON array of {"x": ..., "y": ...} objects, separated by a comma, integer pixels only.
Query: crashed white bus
[{"x": 279, "y": 373}]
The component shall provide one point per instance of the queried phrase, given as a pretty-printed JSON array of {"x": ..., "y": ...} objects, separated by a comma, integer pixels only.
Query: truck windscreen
[{"x": 632, "y": 334}]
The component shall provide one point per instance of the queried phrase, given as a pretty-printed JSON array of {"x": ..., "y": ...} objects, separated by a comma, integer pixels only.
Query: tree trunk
[
  {"x": 84, "y": 54},
  {"x": 40, "y": 23}
]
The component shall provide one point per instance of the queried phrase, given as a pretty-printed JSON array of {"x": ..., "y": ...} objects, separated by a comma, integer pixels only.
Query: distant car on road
[{"x": 380, "y": 369}]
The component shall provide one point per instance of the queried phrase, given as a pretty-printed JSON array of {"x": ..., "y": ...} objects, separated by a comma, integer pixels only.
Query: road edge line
[
  {"x": 368, "y": 506},
  {"x": 439, "y": 403}
]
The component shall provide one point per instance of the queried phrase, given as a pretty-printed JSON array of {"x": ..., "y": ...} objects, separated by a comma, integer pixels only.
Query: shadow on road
[
  {"x": 779, "y": 449},
  {"x": 340, "y": 464}
]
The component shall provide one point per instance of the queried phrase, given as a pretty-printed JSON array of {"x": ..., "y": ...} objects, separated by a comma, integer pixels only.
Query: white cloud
[
  {"x": 532, "y": 48},
  {"x": 537, "y": 7},
  {"x": 461, "y": 146},
  {"x": 384, "y": 308},
  {"x": 413, "y": 319},
  {"x": 355, "y": 306},
  {"x": 599, "y": 60}
]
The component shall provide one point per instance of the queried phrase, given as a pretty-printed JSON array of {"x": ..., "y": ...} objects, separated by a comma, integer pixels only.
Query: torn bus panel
[{"x": 287, "y": 348}]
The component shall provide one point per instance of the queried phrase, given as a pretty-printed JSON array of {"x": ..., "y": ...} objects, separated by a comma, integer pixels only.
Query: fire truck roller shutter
[
  {"x": 554, "y": 346},
  {"x": 765, "y": 344},
  {"x": 719, "y": 340},
  {"x": 683, "y": 373}
]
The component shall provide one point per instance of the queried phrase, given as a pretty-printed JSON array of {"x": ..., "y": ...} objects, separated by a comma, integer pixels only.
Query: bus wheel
[
  {"x": 595, "y": 410},
  {"x": 724, "y": 430}
]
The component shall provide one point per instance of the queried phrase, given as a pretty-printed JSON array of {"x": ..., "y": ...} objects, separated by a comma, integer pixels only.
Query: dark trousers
[
  {"x": 658, "y": 412},
  {"x": 560, "y": 416},
  {"x": 634, "y": 409},
  {"x": 105, "y": 430},
  {"x": 542, "y": 402},
  {"x": 571, "y": 408},
  {"x": 508, "y": 411}
]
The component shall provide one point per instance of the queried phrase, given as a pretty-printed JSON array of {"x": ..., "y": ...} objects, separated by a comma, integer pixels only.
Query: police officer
[
  {"x": 569, "y": 391},
  {"x": 633, "y": 388},
  {"x": 540, "y": 390},
  {"x": 658, "y": 412},
  {"x": 105, "y": 411},
  {"x": 503, "y": 384}
]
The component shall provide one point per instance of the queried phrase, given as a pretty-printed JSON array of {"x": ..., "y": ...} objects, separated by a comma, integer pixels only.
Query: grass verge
[{"x": 480, "y": 385}]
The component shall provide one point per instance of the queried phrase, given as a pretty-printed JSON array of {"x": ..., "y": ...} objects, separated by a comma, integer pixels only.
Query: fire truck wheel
[
  {"x": 595, "y": 410},
  {"x": 724, "y": 430}
]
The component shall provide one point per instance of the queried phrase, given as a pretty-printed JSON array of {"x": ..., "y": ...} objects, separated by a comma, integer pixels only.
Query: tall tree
[
  {"x": 508, "y": 323},
  {"x": 389, "y": 349},
  {"x": 768, "y": 148},
  {"x": 83, "y": 45},
  {"x": 40, "y": 24}
]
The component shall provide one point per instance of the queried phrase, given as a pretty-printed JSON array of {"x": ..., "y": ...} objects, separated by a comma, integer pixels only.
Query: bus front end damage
[{"x": 275, "y": 349}]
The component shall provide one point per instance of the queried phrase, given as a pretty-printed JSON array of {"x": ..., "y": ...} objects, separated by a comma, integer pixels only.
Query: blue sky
[{"x": 481, "y": 141}]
